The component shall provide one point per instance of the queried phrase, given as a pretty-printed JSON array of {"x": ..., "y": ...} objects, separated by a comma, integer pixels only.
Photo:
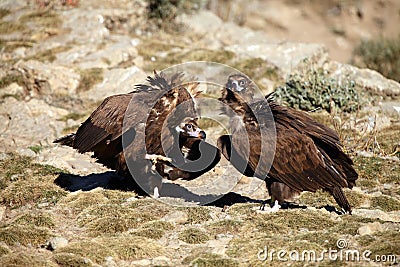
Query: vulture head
[
  {"x": 242, "y": 85},
  {"x": 190, "y": 129}
]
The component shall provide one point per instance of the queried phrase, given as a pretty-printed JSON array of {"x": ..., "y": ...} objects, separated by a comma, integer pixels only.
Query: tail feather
[
  {"x": 67, "y": 140},
  {"x": 340, "y": 198}
]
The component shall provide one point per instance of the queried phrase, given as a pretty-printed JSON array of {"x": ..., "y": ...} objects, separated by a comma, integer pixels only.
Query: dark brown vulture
[
  {"x": 143, "y": 131},
  {"x": 308, "y": 155}
]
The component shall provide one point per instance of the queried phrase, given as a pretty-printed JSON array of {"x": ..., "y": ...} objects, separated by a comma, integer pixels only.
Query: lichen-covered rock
[
  {"x": 116, "y": 81},
  {"x": 47, "y": 78},
  {"x": 26, "y": 124},
  {"x": 367, "y": 79}
]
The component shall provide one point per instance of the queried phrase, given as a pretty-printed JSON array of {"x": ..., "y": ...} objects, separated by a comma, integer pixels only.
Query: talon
[
  {"x": 276, "y": 206},
  {"x": 156, "y": 158}
]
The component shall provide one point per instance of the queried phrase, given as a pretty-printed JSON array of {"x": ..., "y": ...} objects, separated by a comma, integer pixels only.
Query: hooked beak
[
  {"x": 198, "y": 133},
  {"x": 234, "y": 86},
  {"x": 202, "y": 135}
]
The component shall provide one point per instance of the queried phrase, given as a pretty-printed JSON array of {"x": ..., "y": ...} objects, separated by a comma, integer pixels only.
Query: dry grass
[
  {"x": 197, "y": 214},
  {"x": 25, "y": 259},
  {"x": 7, "y": 27},
  {"x": 21, "y": 193},
  {"x": 211, "y": 260},
  {"x": 154, "y": 229},
  {"x": 194, "y": 236},
  {"x": 127, "y": 247},
  {"x": 39, "y": 219},
  {"x": 385, "y": 203},
  {"x": 95, "y": 251},
  {"x": 71, "y": 260},
  {"x": 44, "y": 18},
  {"x": 377, "y": 170},
  {"x": 89, "y": 78},
  {"x": 225, "y": 227},
  {"x": 24, "y": 235}
]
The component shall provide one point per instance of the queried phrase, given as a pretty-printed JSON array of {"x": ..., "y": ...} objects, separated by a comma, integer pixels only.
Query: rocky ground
[{"x": 59, "y": 62}]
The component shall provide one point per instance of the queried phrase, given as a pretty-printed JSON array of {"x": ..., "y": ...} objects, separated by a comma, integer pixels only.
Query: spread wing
[{"x": 104, "y": 123}]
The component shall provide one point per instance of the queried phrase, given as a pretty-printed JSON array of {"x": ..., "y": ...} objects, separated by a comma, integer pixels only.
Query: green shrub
[
  {"x": 167, "y": 10},
  {"x": 382, "y": 55},
  {"x": 315, "y": 89}
]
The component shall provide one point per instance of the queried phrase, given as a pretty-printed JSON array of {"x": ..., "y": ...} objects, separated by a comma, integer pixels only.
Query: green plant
[
  {"x": 382, "y": 55},
  {"x": 167, "y": 10},
  {"x": 315, "y": 89}
]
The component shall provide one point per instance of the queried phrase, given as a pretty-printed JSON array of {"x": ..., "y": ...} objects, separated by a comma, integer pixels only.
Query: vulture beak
[
  {"x": 234, "y": 86},
  {"x": 202, "y": 135},
  {"x": 198, "y": 133}
]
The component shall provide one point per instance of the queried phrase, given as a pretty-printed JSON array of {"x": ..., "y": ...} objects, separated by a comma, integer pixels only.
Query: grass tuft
[
  {"x": 95, "y": 251},
  {"x": 197, "y": 214},
  {"x": 385, "y": 203},
  {"x": 89, "y": 78},
  {"x": 211, "y": 260},
  {"x": 194, "y": 236},
  {"x": 154, "y": 229},
  {"x": 127, "y": 247},
  {"x": 71, "y": 260},
  {"x": 25, "y": 259},
  {"x": 21, "y": 193},
  {"x": 38, "y": 219},
  {"x": 24, "y": 235},
  {"x": 381, "y": 54}
]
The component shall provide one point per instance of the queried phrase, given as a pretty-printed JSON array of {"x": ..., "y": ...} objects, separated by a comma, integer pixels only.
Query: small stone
[
  {"x": 144, "y": 262},
  {"x": 176, "y": 217},
  {"x": 161, "y": 261},
  {"x": 370, "y": 228},
  {"x": 109, "y": 262},
  {"x": 26, "y": 152},
  {"x": 2, "y": 211},
  {"x": 43, "y": 205},
  {"x": 56, "y": 243},
  {"x": 4, "y": 156}
]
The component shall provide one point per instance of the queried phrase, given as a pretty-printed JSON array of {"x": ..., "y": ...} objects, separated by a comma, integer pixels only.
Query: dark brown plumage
[
  {"x": 308, "y": 155},
  {"x": 128, "y": 129}
]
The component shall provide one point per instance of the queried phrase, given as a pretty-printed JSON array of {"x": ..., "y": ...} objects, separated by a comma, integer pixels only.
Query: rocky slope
[{"x": 58, "y": 207}]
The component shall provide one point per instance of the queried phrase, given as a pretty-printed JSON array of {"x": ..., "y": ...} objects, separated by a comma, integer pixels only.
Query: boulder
[
  {"x": 29, "y": 123},
  {"x": 116, "y": 81},
  {"x": 47, "y": 78},
  {"x": 370, "y": 80}
]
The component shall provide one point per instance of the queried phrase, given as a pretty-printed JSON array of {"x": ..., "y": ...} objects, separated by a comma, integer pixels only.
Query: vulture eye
[{"x": 242, "y": 82}]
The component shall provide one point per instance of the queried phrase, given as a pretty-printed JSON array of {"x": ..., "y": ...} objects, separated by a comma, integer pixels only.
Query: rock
[
  {"x": 367, "y": 79},
  {"x": 370, "y": 228},
  {"x": 12, "y": 89},
  {"x": 202, "y": 22},
  {"x": 25, "y": 124},
  {"x": 94, "y": 30},
  {"x": 4, "y": 156},
  {"x": 48, "y": 79},
  {"x": 70, "y": 160},
  {"x": 116, "y": 81},
  {"x": 110, "y": 262},
  {"x": 161, "y": 261},
  {"x": 285, "y": 56},
  {"x": 57, "y": 242},
  {"x": 90, "y": 56},
  {"x": 2, "y": 212},
  {"x": 391, "y": 108},
  {"x": 178, "y": 217},
  {"x": 25, "y": 152},
  {"x": 144, "y": 262}
]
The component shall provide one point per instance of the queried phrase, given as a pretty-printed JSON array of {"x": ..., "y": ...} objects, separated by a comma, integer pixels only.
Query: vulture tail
[
  {"x": 340, "y": 198},
  {"x": 67, "y": 140}
]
